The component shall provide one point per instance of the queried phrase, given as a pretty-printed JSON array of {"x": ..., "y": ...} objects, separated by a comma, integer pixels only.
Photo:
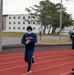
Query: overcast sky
[{"x": 18, "y": 6}]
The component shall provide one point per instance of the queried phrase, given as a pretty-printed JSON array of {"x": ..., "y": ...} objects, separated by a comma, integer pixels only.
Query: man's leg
[
  {"x": 72, "y": 45},
  {"x": 26, "y": 55},
  {"x": 30, "y": 59},
  {"x": 29, "y": 67},
  {"x": 33, "y": 59}
]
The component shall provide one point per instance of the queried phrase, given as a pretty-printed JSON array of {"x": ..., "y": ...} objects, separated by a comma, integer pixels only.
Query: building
[{"x": 19, "y": 23}]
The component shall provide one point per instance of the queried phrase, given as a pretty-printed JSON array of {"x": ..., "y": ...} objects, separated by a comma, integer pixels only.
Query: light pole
[
  {"x": 60, "y": 19},
  {"x": 1, "y": 3}
]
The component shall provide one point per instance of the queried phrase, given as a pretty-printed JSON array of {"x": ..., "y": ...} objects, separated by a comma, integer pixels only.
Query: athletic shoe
[
  {"x": 33, "y": 59},
  {"x": 73, "y": 71},
  {"x": 29, "y": 71}
]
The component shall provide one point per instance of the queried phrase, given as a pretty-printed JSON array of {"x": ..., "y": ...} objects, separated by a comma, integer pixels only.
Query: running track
[{"x": 58, "y": 62}]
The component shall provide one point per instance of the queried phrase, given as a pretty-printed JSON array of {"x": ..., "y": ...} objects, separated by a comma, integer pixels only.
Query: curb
[{"x": 37, "y": 45}]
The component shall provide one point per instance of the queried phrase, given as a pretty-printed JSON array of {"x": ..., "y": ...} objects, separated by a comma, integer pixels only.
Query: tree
[
  {"x": 48, "y": 14},
  {"x": 66, "y": 18},
  {"x": 42, "y": 13}
]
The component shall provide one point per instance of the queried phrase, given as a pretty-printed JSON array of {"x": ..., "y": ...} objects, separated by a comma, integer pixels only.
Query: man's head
[{"x": 29, "y": 29}]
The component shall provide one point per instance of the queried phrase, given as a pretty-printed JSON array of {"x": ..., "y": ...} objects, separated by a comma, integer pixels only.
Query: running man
[{"x": 29, "y": 39}]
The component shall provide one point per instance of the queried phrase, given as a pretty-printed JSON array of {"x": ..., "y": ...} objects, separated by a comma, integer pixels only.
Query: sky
[{"x": 18, "y": 6}]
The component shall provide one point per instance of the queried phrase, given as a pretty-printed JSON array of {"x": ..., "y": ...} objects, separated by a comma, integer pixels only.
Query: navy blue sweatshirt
[{"x": 32, "y": 41}]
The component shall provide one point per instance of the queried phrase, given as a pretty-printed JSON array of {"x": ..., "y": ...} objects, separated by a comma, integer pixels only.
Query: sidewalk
[{"x": 9, "y": 41}]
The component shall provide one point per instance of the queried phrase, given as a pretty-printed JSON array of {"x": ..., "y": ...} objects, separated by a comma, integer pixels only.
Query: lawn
[
  {"x": 18, "y": 34},
  {"x": 66, "y": 40},
  {"x": 12, "y": 34},
  {"x": 56, "y": 41}
]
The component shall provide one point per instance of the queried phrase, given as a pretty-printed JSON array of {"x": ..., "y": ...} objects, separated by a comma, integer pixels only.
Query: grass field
[
  {"x": 19, "y": 34},
  {"x": 56, "y": 41},
  {"x": 12, "y": 34},
  {"x": 66, "y": 40}
]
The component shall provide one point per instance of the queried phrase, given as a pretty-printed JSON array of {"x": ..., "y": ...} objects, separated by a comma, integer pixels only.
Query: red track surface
[{"x": 59, "y": 62}]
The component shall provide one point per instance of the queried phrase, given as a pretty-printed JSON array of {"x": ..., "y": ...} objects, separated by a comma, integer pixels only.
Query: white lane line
[
  {"x": 35, "y": 64},
  {"x": 20, "y": 53},
  {"x": 49, "y": 68},
  {"x": 11, "y": 62},
  {"x": 65, "y": 73},
  {"x": 35, "y": 55},
  {"x": 11, "y": 54},
  {"x": 10, "y": 58},
  {"x": 36, "y": 58}
]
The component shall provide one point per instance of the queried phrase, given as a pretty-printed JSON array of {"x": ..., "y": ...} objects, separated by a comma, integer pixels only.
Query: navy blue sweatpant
[
  {"x": 72, "y": 44},
  {"x": 28, "y": 57}
]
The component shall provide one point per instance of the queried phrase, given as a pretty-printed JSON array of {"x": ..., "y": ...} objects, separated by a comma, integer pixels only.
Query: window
[
  {"x": 18, "y": 28},
  {"x": 13, "y": 22},
  {"x": 18, "y": 17},
  {"x": 33, "y": 22},
  {"x": 23, "y": 17},
  {"x": 14, "y": 17},
  {"x": 29, "y": 17},
  {"x": 18, "y": 22},
  {"x": 23, "y": 22},
  {"x": 9, "y": 17},
  {"x": 23, "y": 28},
  {"x": 14, "y": 28},
  {"x": 29, "y": 22},
  {"x": 9, "y": 22},
  {"x": 34, "y": 17},
  {"x": 33, "y": 28},
  {"x": 9, "y": 27}
]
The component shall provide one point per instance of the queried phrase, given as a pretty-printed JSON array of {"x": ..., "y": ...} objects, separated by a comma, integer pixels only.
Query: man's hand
[
  {"x": 31, "y": 37},
  {"x": 28, "y": 41},
  {"x": 26, "y": 38}
]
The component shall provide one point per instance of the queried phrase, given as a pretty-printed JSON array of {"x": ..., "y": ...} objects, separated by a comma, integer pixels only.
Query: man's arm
[
  {"x": 27, "y": 42},
  {"x": 34, "y": 40},
  {"x": 23, "y": 40}
]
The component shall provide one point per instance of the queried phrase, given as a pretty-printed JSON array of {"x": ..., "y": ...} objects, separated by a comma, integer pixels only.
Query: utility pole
[
  {"x": 1, "y": 5},
  {"x": 60, "y": 19}
]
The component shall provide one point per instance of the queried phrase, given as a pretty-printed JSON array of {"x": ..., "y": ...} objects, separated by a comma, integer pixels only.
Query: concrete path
[{"x": 18, "y": 40}]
